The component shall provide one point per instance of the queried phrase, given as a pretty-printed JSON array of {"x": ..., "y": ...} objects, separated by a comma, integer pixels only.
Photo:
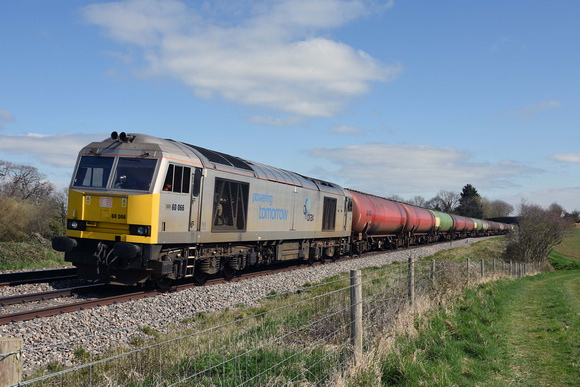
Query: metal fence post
[
  {"x": 10, "y": 365},
  {"x": 356, "y": 313},
  {"x": 411, "y": 281},
  {"x": 482, "y": 269},
  {"x": 467, "y": 265},
  {"x": 493, "y": 266}
]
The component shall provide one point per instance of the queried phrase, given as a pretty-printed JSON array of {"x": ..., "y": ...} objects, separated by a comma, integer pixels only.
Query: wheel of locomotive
[
  {"x": 199, "y": 277},
  {"x": 163, "y": 283},
  {"x": 228, "y": 272},
  {"x": 336, "y": 254}
]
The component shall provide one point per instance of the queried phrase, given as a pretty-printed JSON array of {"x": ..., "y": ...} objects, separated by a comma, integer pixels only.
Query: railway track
[
  {"x": 115, "y": 299},
  {"x": 140, "y": 294},
  {"x": 30, "y": 277}
]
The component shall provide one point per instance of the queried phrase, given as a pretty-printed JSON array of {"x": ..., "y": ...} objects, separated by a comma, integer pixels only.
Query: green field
[{"x": 570, "y": 247}]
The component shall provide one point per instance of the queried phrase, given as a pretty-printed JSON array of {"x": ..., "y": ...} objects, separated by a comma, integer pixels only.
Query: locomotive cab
[{"x": 124, "y": 196}]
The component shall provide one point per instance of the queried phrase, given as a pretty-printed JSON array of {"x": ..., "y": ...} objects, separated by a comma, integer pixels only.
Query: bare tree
[
  {"x": 499, "y": 208},
  {"x": 557, "y": 209},
  {"x": 396, "y": 198},
  {"x": 418, "y": 201},
  {"x": 24, "y": 182},
  {"x": 538, "y": 232},
  {"x": 446, "y": 201}
]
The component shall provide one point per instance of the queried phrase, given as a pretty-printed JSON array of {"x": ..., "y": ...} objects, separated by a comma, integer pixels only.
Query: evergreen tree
[{"x": 470, "y": 203}]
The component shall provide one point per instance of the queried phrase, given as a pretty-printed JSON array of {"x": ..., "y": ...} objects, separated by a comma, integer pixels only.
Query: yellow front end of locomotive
[{"x": 113, "y": 217}]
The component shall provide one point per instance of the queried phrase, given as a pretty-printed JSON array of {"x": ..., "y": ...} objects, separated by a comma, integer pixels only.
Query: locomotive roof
[
  {"x": 261, "y": 171},
  {"x": 214, "y": 159}
]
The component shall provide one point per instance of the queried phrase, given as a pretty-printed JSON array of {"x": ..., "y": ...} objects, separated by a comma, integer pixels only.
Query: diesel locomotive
[{"x": 144, "y": 209}]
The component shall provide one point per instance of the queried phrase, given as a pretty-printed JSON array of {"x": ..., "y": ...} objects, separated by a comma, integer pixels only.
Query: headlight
[
  {"x": 139, "y": 230},
  {"x": 78, "y": 225}
]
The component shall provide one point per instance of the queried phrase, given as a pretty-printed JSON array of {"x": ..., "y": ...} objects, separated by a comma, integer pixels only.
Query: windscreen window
[
  {"x": 93, "y": 172},
  {"x": 178, "y": 179},
  {"x": 135, "y": 174}
]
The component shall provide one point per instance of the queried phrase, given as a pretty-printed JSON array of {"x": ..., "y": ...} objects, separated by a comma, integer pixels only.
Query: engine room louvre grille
[
  {"x": 221, "y": 158},
  {"x": 329, "y": 214},
  {"x": 230, "y": 206}
]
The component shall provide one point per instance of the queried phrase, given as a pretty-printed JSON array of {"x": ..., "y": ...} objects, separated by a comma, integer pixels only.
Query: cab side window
[{"x": 178, "y": 179}]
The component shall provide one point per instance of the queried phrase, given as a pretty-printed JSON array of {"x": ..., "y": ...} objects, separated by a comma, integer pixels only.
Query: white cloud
[
  {"x": 6, "y": 117},
  {"x": 498, "y": 43},
  {"x": 276, "y": 121},
  {"x": 386, "y": 169},
  {"x": 567, "y": 197},
  {"x": 273, "y": 55},
  {"x": 532, "y": 110},
  {"x": 59, "y": 150},
  {"x": 567, "y": 157},
  {"x": 347, "y": 129}
]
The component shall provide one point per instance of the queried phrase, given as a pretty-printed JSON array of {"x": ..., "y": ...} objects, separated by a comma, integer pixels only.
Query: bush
[
  {"x": 16, "y": 219},
  {"x": 29, "y": 203},
  {"x": 538, "y": 232}
]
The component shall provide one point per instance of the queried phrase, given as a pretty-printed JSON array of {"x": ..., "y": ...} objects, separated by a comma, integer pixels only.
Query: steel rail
[
  {"x": 73, "y": 307},
  {"x": 29, "y": 277},
  {"x": 47, "y": 295}
]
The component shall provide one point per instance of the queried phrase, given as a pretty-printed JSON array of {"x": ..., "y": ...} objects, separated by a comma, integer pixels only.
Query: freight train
[{"x": 143, "y": 209}]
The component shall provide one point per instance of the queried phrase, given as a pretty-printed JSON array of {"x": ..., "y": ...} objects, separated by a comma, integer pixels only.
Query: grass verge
[
  {"x": 487, "y": 249},
  {"x": 508, "y": 332},
  {"x": 37, "y": 253}
]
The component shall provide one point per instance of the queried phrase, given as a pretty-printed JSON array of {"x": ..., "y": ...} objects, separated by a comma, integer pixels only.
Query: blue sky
[{"x": 389, "y": 97}]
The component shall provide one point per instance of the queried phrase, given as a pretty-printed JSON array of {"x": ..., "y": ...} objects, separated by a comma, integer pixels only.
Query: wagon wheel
[{"x": 311, "y": 260}]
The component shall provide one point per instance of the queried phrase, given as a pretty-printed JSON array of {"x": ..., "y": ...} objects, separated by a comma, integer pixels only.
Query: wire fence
[{"x": 309, "y": 338}]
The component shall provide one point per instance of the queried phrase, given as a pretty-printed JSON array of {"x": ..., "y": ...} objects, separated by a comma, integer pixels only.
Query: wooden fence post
[
  {"x": 10, "y": 365},
  {"x": 356, "y": 313},
  {"x": 432, "y": 271}
]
